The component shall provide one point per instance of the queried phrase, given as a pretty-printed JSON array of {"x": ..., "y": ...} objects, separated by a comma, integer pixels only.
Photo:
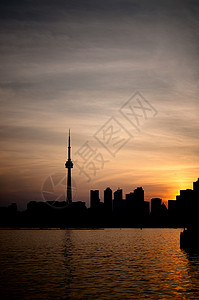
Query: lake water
[{"x": 96, "y": 264}]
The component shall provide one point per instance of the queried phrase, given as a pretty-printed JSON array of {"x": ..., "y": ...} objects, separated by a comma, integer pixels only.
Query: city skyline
[
  {"x": 116, "y": 211},
  {"x": 109, "y": 193}
]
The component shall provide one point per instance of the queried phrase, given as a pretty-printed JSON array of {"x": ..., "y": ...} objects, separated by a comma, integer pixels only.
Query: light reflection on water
[{"x": 97, "y": 264}]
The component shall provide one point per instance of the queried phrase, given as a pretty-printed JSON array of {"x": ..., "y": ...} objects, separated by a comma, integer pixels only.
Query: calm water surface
[{"x": 96, "y": 264}]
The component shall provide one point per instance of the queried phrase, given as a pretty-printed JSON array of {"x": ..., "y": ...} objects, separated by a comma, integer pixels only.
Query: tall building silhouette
[
  {"x": 108, "y": 201},
  {"x": 118, "y": 201},
  {"x": 156, "y": 207},
  {"x": 94, "y": 199},
  {"x": 172, "y": 208},
  {"x": 138, "y": 204},
  {"x": 196, "y": 186},
  {"x": 139, "y": 195},
  {"x": 118, "y": 195},
  {"x": 69, "y": 166}
]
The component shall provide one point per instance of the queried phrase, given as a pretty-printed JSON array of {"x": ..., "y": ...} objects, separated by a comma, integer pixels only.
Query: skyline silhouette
[{"x": 114, "y": 211}]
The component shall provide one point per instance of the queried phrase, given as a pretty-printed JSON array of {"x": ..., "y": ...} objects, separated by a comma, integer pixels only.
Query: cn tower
[{"x": 69, "y": 166}]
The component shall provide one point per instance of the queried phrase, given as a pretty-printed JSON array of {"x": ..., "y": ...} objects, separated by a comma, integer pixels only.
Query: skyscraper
[
  {"x": 118, "y": 195},
  {"x": 118, "y": 201},
  {"x": 94, "y": 199},
  {"x": 69, "y": 166},
  {"x": 156, "y": 207},
  {"x": 196, "y": 186},
  {"x": 139, "y": 195},
  {"x": 108, "y": 202}
]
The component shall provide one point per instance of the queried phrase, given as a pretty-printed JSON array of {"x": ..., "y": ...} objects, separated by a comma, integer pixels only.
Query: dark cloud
[{"x": 33, "y": 10}]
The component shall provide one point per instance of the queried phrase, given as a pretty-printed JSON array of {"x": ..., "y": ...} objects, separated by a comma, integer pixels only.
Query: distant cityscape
[{"x": 133, "y": 211}]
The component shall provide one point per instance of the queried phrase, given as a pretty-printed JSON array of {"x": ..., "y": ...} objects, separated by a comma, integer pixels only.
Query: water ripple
[{"x": 96, "y": 264}]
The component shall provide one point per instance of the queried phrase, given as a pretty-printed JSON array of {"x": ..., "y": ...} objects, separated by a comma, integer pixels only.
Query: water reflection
[
  {"x": 97, "y": 264},
  {"x": 148, "y": 264},
  {"x": 192, "y": 256}
]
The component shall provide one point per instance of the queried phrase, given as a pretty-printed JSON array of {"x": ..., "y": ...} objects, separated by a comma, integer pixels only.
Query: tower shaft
[
  {"x": 69, "y": 166},
  {"x": 69, "y": 191}
]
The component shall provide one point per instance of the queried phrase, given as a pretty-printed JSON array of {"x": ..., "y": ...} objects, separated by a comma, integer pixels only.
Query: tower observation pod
[{"x": 69, "y": 166}]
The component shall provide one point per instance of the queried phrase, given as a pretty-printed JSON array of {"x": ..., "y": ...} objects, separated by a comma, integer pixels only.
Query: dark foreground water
[{"x": 96, "y": 264}]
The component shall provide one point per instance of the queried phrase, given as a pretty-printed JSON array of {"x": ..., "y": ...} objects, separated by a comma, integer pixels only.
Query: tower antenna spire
[
  {"x": 69, "y": 147},
  {"x": 69, "y": 166}
]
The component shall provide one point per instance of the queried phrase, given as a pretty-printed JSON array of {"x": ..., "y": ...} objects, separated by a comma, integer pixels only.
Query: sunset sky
[{"x": 75, "y": 64}]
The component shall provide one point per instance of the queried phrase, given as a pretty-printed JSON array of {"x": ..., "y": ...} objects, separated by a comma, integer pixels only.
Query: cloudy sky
[{"x": 84, "y": 64}]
